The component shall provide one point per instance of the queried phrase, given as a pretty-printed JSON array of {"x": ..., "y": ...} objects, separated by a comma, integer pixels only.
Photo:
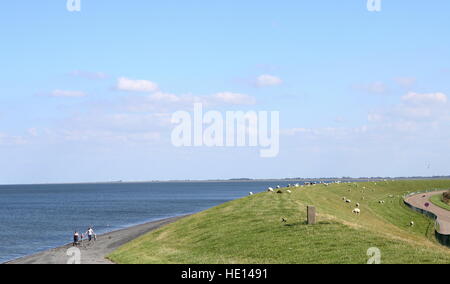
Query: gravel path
[{"x": 95, "y": 252}]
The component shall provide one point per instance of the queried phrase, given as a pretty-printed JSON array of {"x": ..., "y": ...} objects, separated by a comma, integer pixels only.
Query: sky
[{"x": 88, "y": 96}]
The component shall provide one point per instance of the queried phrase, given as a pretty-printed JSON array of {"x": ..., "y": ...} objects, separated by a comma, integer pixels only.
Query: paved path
[
  {"x": 419, "y": 201},
  {"x": 95, "y": 252}
]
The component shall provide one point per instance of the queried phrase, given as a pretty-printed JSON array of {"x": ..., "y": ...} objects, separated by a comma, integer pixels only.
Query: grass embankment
[
  {"x": 438, "y": 201},
  {"x": 250, "y": 230}
]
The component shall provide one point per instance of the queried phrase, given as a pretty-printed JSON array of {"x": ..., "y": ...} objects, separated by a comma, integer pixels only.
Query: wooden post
[{"x": 311, "y": 215}]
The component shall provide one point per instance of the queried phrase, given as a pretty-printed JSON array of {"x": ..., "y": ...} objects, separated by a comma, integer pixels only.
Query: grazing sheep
[
  {"x": 344, "y": 198},
  {"x": 356, "y": 211},
  {"x": 251, "y": 193},
  {"x": 412, "y": 223},
  {"x": 348, "y": 201},
  {"x": 357, "y": 204},
  {"x": 270, "y": 189},
  {"x": 278, "y": 187},
  {"x": 382, "y": 202}
]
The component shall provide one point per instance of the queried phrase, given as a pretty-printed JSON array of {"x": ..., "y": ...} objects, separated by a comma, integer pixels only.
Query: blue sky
[{"x": 359, "y": 93}]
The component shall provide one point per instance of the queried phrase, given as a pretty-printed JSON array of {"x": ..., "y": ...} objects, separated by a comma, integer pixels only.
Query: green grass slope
[
  {"x": 250, "y": 230},
  {"x": 438, "y": 201}
]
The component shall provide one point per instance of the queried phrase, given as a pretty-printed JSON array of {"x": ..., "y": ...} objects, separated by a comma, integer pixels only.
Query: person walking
[
  {"x": 90, "y": 233},
  {"x": 76, "y": 239}
]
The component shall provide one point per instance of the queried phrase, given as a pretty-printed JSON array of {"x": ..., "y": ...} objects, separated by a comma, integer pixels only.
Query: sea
[{"x": 35, "y": 218}]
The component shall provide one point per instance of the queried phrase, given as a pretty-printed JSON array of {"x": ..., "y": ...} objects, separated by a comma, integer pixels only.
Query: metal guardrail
[{"x": 442, "y": 238}]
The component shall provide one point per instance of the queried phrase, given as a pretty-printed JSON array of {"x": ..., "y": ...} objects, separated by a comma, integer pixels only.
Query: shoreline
[
  {"x": 96, "y": 251},
  {"x": 279, "y": 180}
]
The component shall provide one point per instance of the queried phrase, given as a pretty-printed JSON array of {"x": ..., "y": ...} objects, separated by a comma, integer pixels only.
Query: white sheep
[
  {"x": 278, "y": 187},
  {"x": 356, "y": 211},
  {"x": 412, "y": 223},
  {"x": 270, "y": 189},
  {"x": 288, "y": 191},
  {"x": 348, "y": 201},
  {"x": 382, "y": 202},
  {"x": 251, "y": 193},
  {"x": 357, "y": 204}
]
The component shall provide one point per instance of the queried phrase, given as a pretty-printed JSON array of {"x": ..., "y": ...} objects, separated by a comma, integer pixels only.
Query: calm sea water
[{"x": 34, "y": 218}]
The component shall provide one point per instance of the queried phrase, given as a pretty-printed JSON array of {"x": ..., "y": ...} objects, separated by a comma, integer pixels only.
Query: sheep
[
  {"x": 283, "y": 220},
  {"x": 270, "y": 189},
  {"x": 348, "y": 201},
  {"x": 278, "y": 187},
  {"x": 251, "y": 193},
  {"x": 412, "y": 223},
  {"x": 288, "y": 191},
  {"x": 356, "y": 211},
  {"x": 382, "y": 202},
  {"x": 357, "y": 204},
  {"x": 344, "y": 198}
]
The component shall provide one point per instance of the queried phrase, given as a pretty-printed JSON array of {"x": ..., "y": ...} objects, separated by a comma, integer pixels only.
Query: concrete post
[{"x": 311, "y": 215}]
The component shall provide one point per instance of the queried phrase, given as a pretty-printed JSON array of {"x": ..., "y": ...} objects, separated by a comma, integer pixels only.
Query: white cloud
[
  {"x": 125, "y": 84},
  {"x": 33, "y": 132},
  {"x": 374, "y": 117},
  {"x": 234, "y": 98},
  {"x": 66, "y": 93},
  {"x": 406, "y": 82},
  {"x": 108, "y": 136},
  {"x": 373, "y": 88},
  {"x": 268, "y": 80},
  {"x": 416, "y": 98},
  {"x": 165, "y": 97},
  {"x": 6, "y": 139},
  {"x": 89, "y": 75}
]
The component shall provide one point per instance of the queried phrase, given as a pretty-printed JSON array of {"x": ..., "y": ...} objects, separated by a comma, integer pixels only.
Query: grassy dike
[{"x": 249, "y": 230}]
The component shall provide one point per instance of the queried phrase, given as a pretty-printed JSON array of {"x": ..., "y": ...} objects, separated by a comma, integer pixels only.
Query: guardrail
[{"x": 442, "y": 239}]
